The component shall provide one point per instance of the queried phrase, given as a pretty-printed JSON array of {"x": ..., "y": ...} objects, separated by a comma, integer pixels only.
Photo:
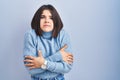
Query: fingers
[
  {"x": 28, "y": 61},
  {"x": 70, "y": 57},
  {"x": 29, "y": 57},
  {"x": 39, "y": 53},
  {"x": 69, "y": 54},
  {"x": 29, "y": 65},
  {"x": 69, "y": 60},
  {"x": 64, "y": 47}
]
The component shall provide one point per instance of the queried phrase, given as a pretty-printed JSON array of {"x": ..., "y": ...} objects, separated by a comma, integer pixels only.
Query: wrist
[{"x": 44, "y": 65}]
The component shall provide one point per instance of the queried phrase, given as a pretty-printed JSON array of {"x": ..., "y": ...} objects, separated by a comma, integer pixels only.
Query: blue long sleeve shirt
[{"x": 50, "y": 48}]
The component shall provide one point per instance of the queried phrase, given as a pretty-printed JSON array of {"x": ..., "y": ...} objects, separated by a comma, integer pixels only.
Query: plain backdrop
[{"x": 93, "y": 26}]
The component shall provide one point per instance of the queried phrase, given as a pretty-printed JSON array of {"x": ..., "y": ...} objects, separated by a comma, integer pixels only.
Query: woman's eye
[
  {"x": 51, "y": 18},
  {"x": 42, "y": 17}
]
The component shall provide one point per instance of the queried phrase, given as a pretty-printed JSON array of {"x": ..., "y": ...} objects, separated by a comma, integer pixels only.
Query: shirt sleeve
[
  {"x": 61, "y": 67},
  {"x": 30, "y": 49},
  {"x": 55, "y": 57}
]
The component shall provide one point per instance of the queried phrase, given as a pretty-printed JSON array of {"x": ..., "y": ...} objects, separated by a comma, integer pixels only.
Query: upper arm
[
  {"x": 65, "y": 40},
  {"x": 30, "y": 49},
  {"x": 29, "y": 45}
]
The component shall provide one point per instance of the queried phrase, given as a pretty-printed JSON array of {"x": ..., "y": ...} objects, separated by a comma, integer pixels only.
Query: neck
[{"x": 47, "y": 35}]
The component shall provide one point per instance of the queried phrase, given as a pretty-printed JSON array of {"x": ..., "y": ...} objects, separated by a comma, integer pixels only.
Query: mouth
[{"x": 46, "y": 25}]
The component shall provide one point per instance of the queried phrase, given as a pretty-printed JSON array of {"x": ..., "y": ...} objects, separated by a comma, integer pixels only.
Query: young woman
[{"x": 47, "y": 50}]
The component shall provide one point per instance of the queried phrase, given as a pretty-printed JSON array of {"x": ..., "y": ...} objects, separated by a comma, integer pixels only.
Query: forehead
[{"x": 46, "y": 12}]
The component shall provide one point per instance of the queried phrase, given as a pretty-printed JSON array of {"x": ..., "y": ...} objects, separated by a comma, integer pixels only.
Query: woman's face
[{"x": 46, "y": 21}]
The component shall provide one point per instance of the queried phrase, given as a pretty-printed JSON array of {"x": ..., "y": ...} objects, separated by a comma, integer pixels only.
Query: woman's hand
[
  {"x": 67, "y": 57},
  {"x": 34, "y": 62}
]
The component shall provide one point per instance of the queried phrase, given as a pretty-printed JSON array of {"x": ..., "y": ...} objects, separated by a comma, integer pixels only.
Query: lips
[{"x": 46, "y": 25}]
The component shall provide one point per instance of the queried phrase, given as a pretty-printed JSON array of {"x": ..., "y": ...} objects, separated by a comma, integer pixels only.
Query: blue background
[{"x": 94, "y": 28}]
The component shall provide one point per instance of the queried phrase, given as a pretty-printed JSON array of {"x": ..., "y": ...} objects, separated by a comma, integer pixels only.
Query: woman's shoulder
[
  {"x": 63, "y": 33},
  {"x": 30, "y": 32}
]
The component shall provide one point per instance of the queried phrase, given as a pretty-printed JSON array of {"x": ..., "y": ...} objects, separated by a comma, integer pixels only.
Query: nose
[{"x": 46, "y": 20}]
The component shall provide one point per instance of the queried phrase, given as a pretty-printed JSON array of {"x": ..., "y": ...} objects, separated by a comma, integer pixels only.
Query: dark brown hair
[{"x": 58, "y": 25}]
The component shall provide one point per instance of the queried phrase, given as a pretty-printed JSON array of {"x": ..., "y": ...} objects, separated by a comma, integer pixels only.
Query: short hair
[{"x": 35, "y": 23}]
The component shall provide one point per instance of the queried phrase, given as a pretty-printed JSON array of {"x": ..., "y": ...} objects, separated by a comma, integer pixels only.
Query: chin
[{"x": 47, "y": 30}]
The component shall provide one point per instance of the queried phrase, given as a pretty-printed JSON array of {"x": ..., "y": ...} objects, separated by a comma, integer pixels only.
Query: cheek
[
  {"x": 41, "y": 21},
  {"x": 52, "y": 26},
  {"x": 52, "y": 23}
]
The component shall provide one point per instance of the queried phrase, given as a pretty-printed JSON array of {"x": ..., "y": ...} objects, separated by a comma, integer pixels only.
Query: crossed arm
[
  {"x": 35, "y": 63},
  {"x": 61, "y": 65}
]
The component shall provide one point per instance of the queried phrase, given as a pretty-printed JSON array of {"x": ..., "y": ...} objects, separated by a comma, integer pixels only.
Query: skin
[{"x": 46, "y": 24}]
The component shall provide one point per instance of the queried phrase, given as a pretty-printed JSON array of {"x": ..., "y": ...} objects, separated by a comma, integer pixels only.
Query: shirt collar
[{"x": 47, "y": 35}]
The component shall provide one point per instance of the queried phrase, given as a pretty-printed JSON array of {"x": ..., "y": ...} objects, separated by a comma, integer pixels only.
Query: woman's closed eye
[
  {"x": 51, "y": 17},
  {"x": 42, "y": 16}
]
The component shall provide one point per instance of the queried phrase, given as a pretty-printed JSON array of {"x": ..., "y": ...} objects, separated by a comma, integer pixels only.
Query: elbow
[
  {"x": 67, "y": 68},
  {"x": 31, "y": 72},
  {"x": 35, "y": 71},
  {"x": 66, "y": 71}
]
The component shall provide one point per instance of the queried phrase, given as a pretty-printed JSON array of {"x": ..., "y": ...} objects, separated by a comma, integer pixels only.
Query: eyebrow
[{"x": 44, "y": 15}]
